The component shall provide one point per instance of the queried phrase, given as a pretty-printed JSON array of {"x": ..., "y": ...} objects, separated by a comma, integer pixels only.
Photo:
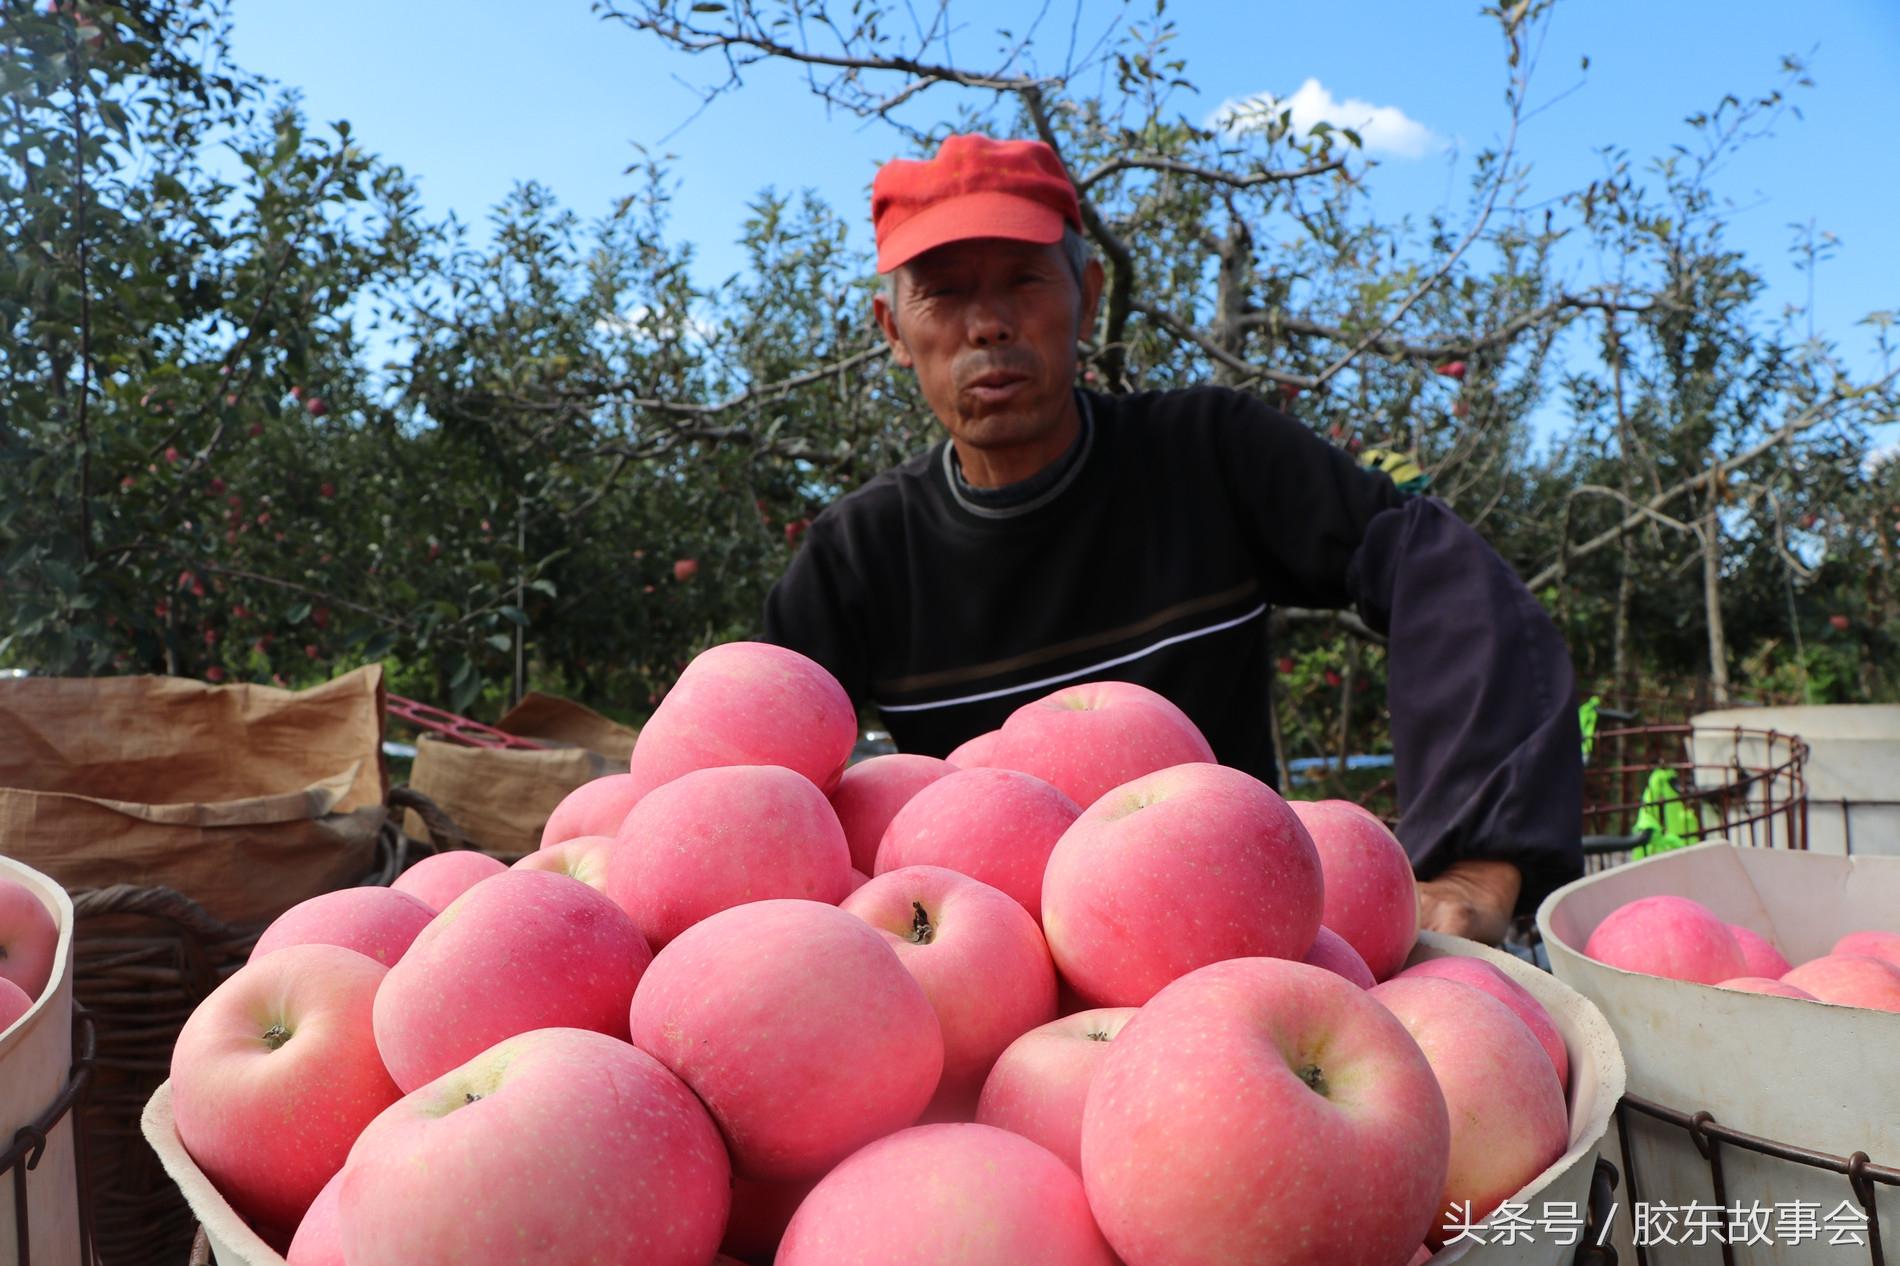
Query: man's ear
[
  {"x": 887, "y": 322},
  {"x": 1093, "y": 278}
]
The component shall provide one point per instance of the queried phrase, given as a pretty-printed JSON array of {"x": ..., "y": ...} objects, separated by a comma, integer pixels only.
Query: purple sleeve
[{"x": 1484, "y": 723}]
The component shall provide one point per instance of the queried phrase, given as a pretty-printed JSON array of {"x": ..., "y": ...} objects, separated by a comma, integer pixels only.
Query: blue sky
[{"x": 474, "y": 96}]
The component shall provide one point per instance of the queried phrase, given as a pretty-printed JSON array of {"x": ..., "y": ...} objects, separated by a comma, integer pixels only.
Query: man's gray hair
[{"x": 1075, "y": 250}]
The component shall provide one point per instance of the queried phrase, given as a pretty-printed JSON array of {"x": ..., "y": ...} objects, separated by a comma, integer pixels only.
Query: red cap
[{"x": 974, "y": 187}]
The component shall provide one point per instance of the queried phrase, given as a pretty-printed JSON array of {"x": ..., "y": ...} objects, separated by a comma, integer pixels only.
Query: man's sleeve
[
  {"x": 1480, "y": 690},
  {"x": 1479, "y": 685},
  {"x": 815, "y": 609}
]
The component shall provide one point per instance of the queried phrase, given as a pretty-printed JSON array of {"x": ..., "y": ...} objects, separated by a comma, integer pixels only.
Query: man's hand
[{"x": 1472, "y": 899}]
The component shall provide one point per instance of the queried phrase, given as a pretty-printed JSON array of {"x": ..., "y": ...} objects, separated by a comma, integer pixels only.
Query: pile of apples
[
  {"x": 29, "y": 941},
  {"x": 1079, "y": 995},
  {"x": 1682, "y": 939}
]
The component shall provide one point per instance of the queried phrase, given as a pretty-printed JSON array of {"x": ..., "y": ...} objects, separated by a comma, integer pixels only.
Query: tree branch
[
  {"x": 1155, "y": 162},
  {"x": 1807, "y": 419}
]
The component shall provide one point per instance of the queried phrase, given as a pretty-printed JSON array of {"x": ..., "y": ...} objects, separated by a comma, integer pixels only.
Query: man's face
[{"x": 990, "y": 326}]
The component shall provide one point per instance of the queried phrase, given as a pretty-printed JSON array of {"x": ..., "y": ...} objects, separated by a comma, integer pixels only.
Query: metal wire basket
[{"x": 1648, "y": 787}]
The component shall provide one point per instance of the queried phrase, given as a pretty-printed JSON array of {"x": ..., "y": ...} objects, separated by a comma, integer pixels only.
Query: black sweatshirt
[{"x": 1154, "y": 556}]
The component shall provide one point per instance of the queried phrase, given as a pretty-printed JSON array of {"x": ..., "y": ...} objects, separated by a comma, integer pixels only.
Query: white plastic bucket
[
  {"x": 1824, "y": 1078},
  {"x": 1852, "y": 769},
  {"x": 36, "y": 1056}
]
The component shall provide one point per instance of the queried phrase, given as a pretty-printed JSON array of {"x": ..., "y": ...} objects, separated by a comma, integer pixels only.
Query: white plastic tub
[
  {"x": 1852, "y": 769},
  {"x": 1819, "y": 1077},
  {"x": 36, "y": 1057},
  {"x": 1596, "y": 1085}
]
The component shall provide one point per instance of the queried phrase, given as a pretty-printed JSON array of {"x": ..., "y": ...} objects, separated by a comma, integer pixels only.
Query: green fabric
[
  {"x": 1400, "y": 467},
  {"x": 1669, "y": 822},
  {"x": 1587, "y": 722}
]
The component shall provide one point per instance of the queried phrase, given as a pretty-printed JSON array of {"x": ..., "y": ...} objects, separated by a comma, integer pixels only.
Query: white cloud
[{"x": 1383, "y": 129}]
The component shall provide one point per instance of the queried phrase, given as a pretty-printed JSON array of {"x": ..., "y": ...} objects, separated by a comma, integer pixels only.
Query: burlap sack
[
  {"x": 500, "y": 798},
  {"x": 248, "y": 799}
]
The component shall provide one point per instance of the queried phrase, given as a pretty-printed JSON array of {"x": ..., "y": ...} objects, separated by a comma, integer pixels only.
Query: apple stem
[
  {"x": 920, "y": 929},
  {"x": 470, "y": 1097},
  {"x": 275, "y": 1036},
  {"x": 1314, "y": 1079}
]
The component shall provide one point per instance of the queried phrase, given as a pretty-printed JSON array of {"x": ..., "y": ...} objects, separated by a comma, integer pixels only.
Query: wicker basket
[{"x": 143, "y": 959}]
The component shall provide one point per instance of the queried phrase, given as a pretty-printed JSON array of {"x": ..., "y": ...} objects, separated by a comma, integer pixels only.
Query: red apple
[
  {"x": 29, "y": 938},
  {"x": 815, "y": 1041},
  {"x": 1371, "y": 897},
  {"x": 1761, "y": 984},
  {"x": 978, "y": 955},
  {"x": 560, "y": 1145},
  {"x": 1759, "y": 953},
  {"x": 1089, "y": 738},
  {"x": 870, "y": 793},
  {"x": 950, "y": 1195},
  {"x": 1482, "y": 975},
  {"x": 1038, "y": 1086},
  {"x": 13, "y": 1003},
  {"x": 1849, "y": 980},
  {"x": 996, "y": 825},
  {"x": 1508, "y": 1117},
  {"x": 1333, "y": 952},
  {"x": 584, "y": 857},
  {"x": 973, "y": 752},
  {"x": 319, "y": 1239},
  {"x": 379, "y": 922},
  {"x": 720, "y": 837},
  {"x": 1882, "y": 945},
  {"x": 439, "y": 879},
  {"x": 1173, "y": 871},
  {"x": 273, "y": 1076},
  {"x": 1247, "y": 1113},
  {"x": 597, "y": 807},
  {"x": 519, "y": 951},
  {"x": 749, "y": 703},
  {"x": 1672, "y": 937}
]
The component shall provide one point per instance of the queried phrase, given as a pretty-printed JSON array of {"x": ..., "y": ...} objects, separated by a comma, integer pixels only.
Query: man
[{"x": 1061, "y": 536}]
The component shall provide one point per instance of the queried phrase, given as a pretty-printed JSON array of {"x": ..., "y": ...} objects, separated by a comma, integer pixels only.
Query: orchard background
[{"x": 579, "y": 466}]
